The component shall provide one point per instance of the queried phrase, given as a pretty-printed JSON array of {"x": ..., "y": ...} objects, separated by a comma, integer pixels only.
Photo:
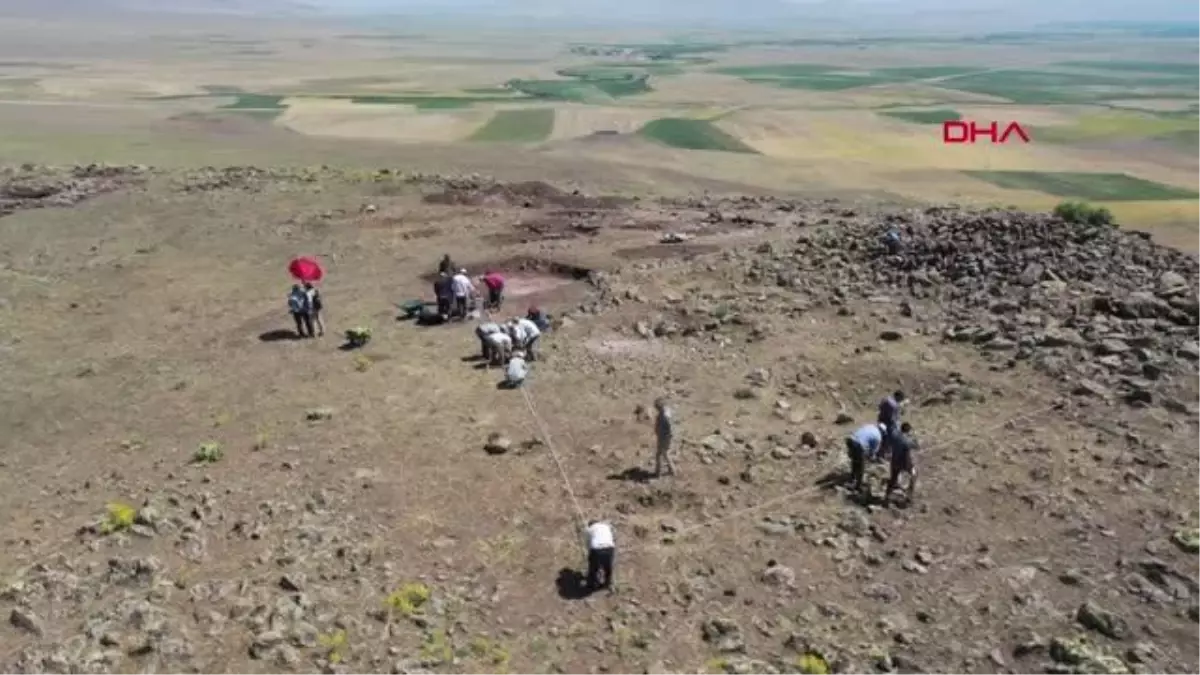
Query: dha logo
[{"x": 958, "y": 131}]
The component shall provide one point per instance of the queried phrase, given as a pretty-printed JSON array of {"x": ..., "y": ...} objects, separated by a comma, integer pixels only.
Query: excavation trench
[{"x": 530, "y": 278}]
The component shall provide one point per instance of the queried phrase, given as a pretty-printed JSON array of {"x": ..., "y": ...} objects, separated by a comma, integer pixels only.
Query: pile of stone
[
  {"x": 34, "y": 187},
  {"x": 1110, "y": 311}
]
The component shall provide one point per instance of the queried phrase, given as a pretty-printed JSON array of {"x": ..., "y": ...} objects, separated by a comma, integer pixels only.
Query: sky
[{"x": 1032, "y": 11}]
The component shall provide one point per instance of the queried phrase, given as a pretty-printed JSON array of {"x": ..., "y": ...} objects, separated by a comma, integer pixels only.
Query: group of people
[
  {"x": 887, "y": 439},
  {"x": 513, "y": 344},
  {"x": 457, "y": 294},
  {"x": 304, "y": 304}
]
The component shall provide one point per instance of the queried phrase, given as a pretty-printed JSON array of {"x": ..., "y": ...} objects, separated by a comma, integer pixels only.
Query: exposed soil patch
[
  {"x": 524, "y": 265},
  {"x": 665, "y": 251},
  {"x": 530, "y": 194},
  {"x": 36, "y": 188},
  {"x": 528, "y": 277}
]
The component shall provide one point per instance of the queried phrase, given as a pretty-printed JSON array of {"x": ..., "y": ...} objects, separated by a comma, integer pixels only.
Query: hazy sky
[{"x": 1025, "y": 10}]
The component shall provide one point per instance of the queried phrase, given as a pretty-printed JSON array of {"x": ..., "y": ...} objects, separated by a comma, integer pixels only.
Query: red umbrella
[{"x": 306, "y": 269}]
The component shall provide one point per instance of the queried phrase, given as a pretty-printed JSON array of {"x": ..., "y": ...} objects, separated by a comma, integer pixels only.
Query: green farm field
[{"x": 778, "y": 112}]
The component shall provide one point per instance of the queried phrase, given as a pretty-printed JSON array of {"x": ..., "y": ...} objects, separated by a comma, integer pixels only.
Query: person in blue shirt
[
  {"x": 891, "y": 240},
  {"x": 903, "y": 446},
  {"x": 862, "y": 445}
]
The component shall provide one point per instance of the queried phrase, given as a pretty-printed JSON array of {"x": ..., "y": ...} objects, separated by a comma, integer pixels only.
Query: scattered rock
[
  {"x": 1187, "y": 540},
  {"x": 27, "y": 621},
  {"x": 724, "y": 635},
  {"x": 1102, "y": 621},
  {"x": 319, "y": 414},
  {"x": 497, "y": 444}
]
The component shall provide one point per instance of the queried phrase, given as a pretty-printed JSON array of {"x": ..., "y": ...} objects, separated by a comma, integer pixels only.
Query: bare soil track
[{"x": 353, "y": 521}]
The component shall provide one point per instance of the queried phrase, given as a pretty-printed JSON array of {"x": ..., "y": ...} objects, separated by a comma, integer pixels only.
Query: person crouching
[
  {"x": 482, "y": 331},
  {"x": 517, "y": 371},
  {"x": 500, "y": 348}
]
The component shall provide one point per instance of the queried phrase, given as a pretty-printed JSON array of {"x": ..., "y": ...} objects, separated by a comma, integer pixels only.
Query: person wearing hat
[{"x": 463, "y": 291}]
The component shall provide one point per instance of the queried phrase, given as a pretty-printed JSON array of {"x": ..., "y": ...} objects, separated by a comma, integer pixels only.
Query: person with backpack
[
  {"x": 298, "y": 306},
  {"x": 314, "y": 308}
]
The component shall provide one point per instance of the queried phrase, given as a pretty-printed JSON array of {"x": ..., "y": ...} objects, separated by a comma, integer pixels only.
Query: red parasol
[{"x": 306, "y": 269}]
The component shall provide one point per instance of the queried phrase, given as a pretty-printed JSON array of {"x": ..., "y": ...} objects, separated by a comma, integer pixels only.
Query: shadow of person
[
  {"x": 833, "y": 479},
  {"x": 571, "y": 584},
  {"x": 278, "y": 335},
  {"x": 635, "y": 474}
]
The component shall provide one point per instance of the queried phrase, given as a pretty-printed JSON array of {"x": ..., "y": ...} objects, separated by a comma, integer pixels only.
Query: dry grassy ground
[{"x": 140, "y": 324}]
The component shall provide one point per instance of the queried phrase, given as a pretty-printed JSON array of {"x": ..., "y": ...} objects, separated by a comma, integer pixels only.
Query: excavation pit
[{"x": 531, "y": 279}]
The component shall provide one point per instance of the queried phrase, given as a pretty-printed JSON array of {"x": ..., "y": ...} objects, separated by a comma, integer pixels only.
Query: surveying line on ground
[{"x": 537, "y": 420}]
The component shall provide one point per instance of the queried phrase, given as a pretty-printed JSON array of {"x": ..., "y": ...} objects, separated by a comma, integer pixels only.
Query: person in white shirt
[
  {"x": 463, "y": 289},
  {"x": 482, "y": 331},
  {"x": 499, "y": 348},
  {"x": 517, "y": 371},
  {"x": 601, "y": 551},
  {"x": 532, "y": 333}
]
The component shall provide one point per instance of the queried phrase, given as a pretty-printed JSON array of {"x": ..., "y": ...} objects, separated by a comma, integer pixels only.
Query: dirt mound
[
  {"x": 529, "y": 194},
  {"x": 31, "y": 187}
]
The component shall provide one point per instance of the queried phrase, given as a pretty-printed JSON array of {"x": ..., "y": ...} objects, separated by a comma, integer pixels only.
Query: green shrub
[
  {"x": 208, "y": 453},
  {"x": 119, "y": 517},
  {"x": 358, "y": 336},
  {"x": 1082, "y": 213},
  {"x": 409, "y": 599}
]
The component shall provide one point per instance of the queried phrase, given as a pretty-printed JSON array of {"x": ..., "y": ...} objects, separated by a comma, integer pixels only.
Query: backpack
[{"x": 296, "y": 302}]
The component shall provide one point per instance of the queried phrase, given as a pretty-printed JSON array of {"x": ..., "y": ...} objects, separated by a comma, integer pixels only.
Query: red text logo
[{"x": 960, "y": 131}]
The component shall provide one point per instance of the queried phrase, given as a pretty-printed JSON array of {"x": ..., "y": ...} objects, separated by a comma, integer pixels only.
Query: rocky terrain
[{"x": 211, "y": 510}]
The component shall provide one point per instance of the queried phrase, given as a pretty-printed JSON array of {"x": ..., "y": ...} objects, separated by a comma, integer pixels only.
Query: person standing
[
  {"x": 664, "y": 431},
  {"x": 443, "y": 290},
  {"x": 298, "y": 307},
  {"x": 463, "y": 290},
  {"x": 495, "y": 288},
  {"x": 602, "y": 551},
  {"x": 446, "y": 266},
  {"x": 889, "y": 417},
  {"x": 315, "y": 305},
  {"x": 903, "y": 445},
  {"x": 861, "y": 445}
]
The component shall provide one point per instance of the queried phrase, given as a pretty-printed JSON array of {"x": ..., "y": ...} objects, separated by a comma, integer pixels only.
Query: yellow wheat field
[{"x": 398, "y": 123}]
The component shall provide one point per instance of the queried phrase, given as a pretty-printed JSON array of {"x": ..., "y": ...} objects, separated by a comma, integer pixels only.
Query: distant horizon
[{"x": 862, "y": 16}]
